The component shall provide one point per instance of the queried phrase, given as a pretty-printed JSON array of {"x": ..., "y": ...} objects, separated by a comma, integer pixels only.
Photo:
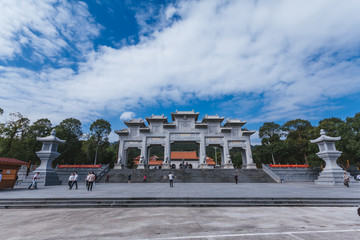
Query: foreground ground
[{"x": 181, "y": 223}]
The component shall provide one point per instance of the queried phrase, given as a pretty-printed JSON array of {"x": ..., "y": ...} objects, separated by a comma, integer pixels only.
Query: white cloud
[
  {"x": 127, "y": 115},
  {"x": 293, "y": 55},
  {"x": 47, "y": 27}
]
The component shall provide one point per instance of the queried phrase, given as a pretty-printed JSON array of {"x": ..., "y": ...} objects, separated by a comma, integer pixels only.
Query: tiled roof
[
  {"x": 151, "y": 163},
  {"x": 184, "y": 155},
  {"x": 210, "y": 161},
  {"x": 12, "y": 161}
]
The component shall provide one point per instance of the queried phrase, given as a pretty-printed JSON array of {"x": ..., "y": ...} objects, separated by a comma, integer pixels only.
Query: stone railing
[{"x": 271, "y": 173}]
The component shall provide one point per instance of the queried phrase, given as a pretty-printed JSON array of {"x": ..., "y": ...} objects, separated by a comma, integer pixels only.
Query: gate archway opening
[
  {"x": 214, "y": 153},
  {"x": 184, "y": 153},
  {"x": 236, "y": 154},
  {"x": 131, "y": 154},
  {"x": 155, "y": 156}
]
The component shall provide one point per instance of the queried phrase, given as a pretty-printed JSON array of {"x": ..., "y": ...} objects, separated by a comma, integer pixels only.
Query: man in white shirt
[
  {"x": 171, "y": 179},
  {"x": 34, "y": 182},
  {"x": 74, "y": 181}
]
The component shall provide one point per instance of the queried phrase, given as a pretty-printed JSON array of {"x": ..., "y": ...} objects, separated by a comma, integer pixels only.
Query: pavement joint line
[{"x": 253, "y": 234}]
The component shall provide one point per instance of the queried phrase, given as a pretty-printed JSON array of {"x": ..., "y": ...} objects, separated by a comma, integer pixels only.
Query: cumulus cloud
[
  {"x": 290, "y": 56},
  {"x": 45, "y": 29},
  {"x": 127, "y": 115}
]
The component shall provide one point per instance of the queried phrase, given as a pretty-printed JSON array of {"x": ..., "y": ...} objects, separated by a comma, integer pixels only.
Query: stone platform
[{"x": 182, "y": 195}]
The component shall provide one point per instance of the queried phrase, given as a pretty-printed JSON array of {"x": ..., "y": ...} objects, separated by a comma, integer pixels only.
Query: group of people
[
  {"x": 90, "y": 180},
  {"x": 73, "y": 179}
]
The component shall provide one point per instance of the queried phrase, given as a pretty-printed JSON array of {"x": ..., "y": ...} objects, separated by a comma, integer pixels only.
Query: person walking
[
  {"x": 34, "y": 181},
  {"x": 346, "y": 179},
  {"x": 171, "y": 179},
  {"x": 107, "y": 178},
  {"x": 236, "y": 178},
  {"x": 87, "y": 180},
  {"x": 129, "y": 178},
  {"x": 74, "y": 181},
  {"x": 91, "y": 181},
  {"x": 144, "y": 178},
  {"x": 0, "y": 174},
  {"x": 70, "y": 180}
]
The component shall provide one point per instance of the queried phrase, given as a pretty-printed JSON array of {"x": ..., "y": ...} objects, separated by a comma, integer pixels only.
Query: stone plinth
[{"x": 249, "y": 166}]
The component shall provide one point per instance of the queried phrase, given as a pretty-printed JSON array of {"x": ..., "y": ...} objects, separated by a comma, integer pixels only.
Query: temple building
[
  {"x": 186, "y": 159},
  {"x": 185, "y": 127}
]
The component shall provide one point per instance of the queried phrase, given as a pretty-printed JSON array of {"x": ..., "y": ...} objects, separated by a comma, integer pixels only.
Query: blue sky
[{"x": 253, "y": 60}]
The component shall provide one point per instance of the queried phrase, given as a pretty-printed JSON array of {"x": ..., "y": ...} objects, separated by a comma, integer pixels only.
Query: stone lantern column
[
  {"x": 332, "y": 173},
  {"x": 47, "y": 154}
]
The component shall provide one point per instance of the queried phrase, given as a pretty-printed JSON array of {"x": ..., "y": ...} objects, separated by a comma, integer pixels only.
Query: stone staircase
[
  {"x": 64, "y": 173},
  {"x": 296, "y": 174},
  {"x": 191, "y": 175},
  {"x": 176, "y": 202}
]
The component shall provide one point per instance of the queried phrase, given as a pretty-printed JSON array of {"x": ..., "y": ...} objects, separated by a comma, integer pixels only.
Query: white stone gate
[{"x": 185, "y": 128}]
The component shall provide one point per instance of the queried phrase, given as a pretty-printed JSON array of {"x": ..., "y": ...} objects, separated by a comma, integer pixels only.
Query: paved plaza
[
  {"x": 182, "y": 222},
  {"x": 162, "y": 190}
]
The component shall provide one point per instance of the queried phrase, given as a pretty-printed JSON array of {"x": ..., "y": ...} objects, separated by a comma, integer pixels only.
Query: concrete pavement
[
  {"x": 162, "y": 190},
  {"x": 181, "y": 223}
]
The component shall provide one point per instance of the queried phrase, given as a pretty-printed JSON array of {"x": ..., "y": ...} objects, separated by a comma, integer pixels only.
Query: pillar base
[
  {"x": 334, "y": 177},
  {"x": 204, "y": 166},
  {"x": 227, "y": 166},
  {"x": 118, "y": 166},
  {"x": 249, "y": 166},
  {"x": 141, "y": 166},
  {"x": 165, "y": 166}
]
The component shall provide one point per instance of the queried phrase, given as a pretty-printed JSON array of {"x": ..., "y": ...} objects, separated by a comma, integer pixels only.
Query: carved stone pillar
[
  {"x": 167, "y": 160},
  {"x": 227, "y": 163},
  {"x": 143, "y": 154},
  {"x": 202, "y": 152},
  {"x": 248, "y": 163},
  {"x": 121, "y": 156}
]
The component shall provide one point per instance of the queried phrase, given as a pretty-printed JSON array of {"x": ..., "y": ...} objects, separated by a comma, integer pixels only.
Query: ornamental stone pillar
[
  {"x": 47, "y": 155},
  {"x": 202, "y": 152},
  {"x": 141, "y": 164},
  {"x": 227, "y": 158},
  {"x": 167, "y": 154},
  {"x": 121, "y": 156},
  {"x": 248, "y": 163},
  {"x": 332, "y": 173}
]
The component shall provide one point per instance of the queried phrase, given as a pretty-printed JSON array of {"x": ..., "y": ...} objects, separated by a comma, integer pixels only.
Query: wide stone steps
[
  {"x": 191, "y": 175},
  {"x": 177, "y": 202}
]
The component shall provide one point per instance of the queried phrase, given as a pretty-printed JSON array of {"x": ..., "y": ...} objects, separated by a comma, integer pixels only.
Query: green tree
[
  {"x": 100, "y": 130},
  {"x": 270, "y": 134},
  {"x": 69, "y": 130},
  {"x": 298, "y": 133},
  {"x": 13, "y": 133}
]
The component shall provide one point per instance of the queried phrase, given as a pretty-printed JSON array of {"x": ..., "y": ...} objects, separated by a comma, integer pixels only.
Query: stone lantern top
[
  {"x": 324, "y": 138},
  {"x": 326, "y": 143},
  {"x": 51, "y": 138}
]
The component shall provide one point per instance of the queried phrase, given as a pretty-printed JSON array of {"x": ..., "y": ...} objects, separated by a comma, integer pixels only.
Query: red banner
[
  {"x": 79, "y": 166},
  {"x": 290, "y": 165}
]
